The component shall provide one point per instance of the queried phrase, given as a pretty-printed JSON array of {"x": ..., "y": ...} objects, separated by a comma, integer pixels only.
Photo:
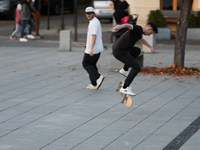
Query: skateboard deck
[{"x": 126, "y": 99}]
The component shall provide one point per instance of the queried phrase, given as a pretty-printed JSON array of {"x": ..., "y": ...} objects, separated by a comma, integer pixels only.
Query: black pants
[
  {"x": 129, "y": 60},
  {"x": 89, "y": 64}
]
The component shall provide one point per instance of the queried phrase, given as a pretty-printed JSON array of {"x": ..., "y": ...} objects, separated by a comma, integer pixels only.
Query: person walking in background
[
  {"x": 121, "y": 9},
  {"x": 124, "y": 50},
  {"x": 25, "y": 16},
  {"x": 17, "y": 22},
  {"x": 35, "y": 8},
  {"x": 94, "y": 47}
]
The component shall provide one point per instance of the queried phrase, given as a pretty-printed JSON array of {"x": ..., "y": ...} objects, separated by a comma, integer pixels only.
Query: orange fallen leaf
[
  {"x": 160, "y": 62},
  {"x": 192, "y": 83},
  {"x": 174, "y": 65}
]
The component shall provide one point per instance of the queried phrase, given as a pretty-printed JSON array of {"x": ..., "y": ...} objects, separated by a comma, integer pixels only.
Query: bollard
[
  {"x": 151, "y": 40},
  {"x": 65, "y": 40}
]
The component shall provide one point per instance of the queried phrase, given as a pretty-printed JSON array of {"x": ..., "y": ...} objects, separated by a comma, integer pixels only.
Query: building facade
[{"x": 171, "y": 9}]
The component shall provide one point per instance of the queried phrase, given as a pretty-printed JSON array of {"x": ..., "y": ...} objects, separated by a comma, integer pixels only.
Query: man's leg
[
  {"x": 30, "y": 22},
  {"x": 88, "y": 64},
  {"x": 36, "y": 17},
  {"x": 130, "y": 61},
  {"x": 24, "y": 23},
  {"x": 135, "y": 52}
]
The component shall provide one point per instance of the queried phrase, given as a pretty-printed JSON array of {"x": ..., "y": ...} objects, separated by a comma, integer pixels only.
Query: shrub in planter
[
  {"x": 192, "y": 21},
  {"x": 157, "y": 17},
  {"x": 198, "y": 18}
]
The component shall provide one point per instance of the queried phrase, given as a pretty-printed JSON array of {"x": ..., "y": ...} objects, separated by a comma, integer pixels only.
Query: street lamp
[
  {"x": 75, "y": 20},
  {"x": 62, "y": 11},
  {"x": 48, "y": 19}
]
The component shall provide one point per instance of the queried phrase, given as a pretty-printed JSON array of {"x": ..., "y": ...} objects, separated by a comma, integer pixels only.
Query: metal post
[
  {"x": 75, "y": 20},
  {"x": 62, "y": 12},
  {"x": 48, "y": 19}
]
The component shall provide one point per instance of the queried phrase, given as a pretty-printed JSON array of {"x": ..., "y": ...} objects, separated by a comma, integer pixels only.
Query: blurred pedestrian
[
  {"x": 25, "y": 17},
  {"x": 124, "y": 50},
  {"x": 17, "y": 22},
  {"x": 94, "y": 47},
  {"x": 35, "y": 9},
  {"x": 121, "y": 9}
]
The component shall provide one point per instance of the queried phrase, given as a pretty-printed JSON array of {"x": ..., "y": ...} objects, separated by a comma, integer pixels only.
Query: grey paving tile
[{"x": 44, "y": 103}]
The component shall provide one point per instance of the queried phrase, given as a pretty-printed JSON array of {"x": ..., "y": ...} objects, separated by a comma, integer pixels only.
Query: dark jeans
[
  {"x": 89, "y": 64},
  {"x": 24, "y": 24},
  {"x": 129, "y": 60}
]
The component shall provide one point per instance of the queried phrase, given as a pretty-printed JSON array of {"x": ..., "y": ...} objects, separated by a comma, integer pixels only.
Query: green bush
[
  {"x": 157, "y": 17},
  {"x": 198, "y": 18},
  {"x": 193, "y": 22}
]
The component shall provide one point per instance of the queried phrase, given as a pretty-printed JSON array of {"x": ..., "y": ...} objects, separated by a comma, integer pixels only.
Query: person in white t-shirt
[{"x": 94, "y": 47}]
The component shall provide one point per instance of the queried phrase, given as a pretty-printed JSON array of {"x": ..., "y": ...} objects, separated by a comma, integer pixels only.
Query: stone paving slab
[{"x": 44, "y": 104}]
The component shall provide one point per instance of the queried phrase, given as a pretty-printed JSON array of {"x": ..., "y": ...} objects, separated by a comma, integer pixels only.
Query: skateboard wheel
[
  {"x": 122, "y": 102},
  {"x": 116, "y": 90}
]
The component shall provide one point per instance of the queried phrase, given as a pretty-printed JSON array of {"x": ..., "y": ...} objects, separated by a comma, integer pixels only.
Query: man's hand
[
  {"x": 152, "y": 50},
  {"x": 91, "y": 52},
  {"x": 117, "y": 28}
]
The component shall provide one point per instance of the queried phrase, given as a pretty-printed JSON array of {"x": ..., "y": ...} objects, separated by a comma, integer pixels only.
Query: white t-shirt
[{"x": 94, "y": 27}]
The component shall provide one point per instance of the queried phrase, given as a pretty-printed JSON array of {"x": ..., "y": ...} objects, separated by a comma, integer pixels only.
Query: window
[
  {"x": 167, "y": 4},
  {"x": 179, "y": 4}
]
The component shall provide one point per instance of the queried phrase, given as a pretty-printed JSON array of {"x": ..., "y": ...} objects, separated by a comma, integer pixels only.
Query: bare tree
[{"x": 181, "y": 33}]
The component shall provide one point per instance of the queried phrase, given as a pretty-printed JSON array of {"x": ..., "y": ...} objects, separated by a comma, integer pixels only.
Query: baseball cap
[{"x": 89, "y": 10}]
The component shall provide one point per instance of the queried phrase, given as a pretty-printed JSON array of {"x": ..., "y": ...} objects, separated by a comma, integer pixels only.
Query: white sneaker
[
  {"x": 23, "y": 40},
  {"x": 99, "y": 81},
  {"x": 123, "y": 72},
  {"x": 30, "y": 36},
  {"x": 91, "y": 87},
  {"x": 127, "y": 90}
]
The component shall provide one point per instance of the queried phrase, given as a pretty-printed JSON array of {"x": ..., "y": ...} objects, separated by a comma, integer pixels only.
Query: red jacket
[{"x": 17, "y": 19}]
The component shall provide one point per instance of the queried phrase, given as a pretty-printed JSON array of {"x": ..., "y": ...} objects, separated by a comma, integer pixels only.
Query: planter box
[
  {"x": 163, "y": 34},
  {"x": 151, "y": 40},
  {"x": 193, "y": 33}
]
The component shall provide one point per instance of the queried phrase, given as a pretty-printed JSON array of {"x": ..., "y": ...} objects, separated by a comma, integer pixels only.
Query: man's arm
[
  {"x": 143, "y": 41},
  {"x": 94, "y": 36},
  {"x": 119, "y": 27},
  {"x": 33, "y": 6}
]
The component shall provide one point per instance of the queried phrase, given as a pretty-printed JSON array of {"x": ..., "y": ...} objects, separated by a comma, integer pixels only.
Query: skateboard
[{"x": 126, "y": 99}]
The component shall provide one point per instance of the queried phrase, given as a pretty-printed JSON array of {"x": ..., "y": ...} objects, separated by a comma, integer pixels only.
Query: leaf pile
[{"x": 171, "y": 71}]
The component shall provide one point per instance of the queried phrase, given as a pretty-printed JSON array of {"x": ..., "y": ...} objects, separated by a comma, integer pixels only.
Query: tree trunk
[{"x": 181, "y": 33}]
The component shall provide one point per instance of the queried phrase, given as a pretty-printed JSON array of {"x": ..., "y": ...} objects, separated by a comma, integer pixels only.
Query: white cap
[{"x": 89, "y": 10}]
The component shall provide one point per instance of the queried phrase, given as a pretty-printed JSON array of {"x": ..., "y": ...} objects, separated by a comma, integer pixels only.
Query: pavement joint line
[
  {"x": 37, "y": 118},
  {"x": 45, "y": 114},
  {"x": 35, "y": 98},
  {"x": 170, "y": 146},
  {"x": 48, "y": 41},
  {"x": 66, "y": 67},
  {"x": 34, "y": 90},
  {"x": 141, "y": 120},
  {"x": 28, "y": 60},
  {"x": 147, "y": 116},
  {"x": 184, "y": 136},
  {"x": 122, "y": 117}
]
